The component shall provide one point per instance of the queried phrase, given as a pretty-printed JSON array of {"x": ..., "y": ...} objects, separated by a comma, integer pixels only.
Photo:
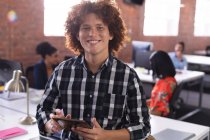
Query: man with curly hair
[{"x": 95, "y": 86}]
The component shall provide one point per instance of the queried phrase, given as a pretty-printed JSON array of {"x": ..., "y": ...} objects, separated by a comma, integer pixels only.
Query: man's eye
[
  {"x": 100, "y": 28},
  {"x": 85, "y": 28}
]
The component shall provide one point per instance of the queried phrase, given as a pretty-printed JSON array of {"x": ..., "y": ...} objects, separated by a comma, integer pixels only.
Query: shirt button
[
  {"x": 91, "y": 96},
  {"x": 93, "y": 76},
  {"x": 88, "y": 115}
]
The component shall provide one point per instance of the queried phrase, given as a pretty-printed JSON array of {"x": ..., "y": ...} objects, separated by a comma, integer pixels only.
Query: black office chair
[
  {"x": 207, "y": 50},
  {"x": 6, "y": 69},
  {"x": 176, "y": 102},
  {"x": 30, "y": 75}
]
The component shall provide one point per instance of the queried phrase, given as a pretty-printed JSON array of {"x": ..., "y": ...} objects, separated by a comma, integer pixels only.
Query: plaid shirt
[{"x": 114, "y": 96}]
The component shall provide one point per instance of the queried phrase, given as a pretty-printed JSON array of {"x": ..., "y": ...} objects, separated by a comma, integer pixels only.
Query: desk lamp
[{"x": 15, "y": 85}]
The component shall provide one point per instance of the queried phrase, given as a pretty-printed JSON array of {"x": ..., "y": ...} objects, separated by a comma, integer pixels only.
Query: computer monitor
[
  {"x": 142, "y": 59},
  {"x": 141, "y": 46}
]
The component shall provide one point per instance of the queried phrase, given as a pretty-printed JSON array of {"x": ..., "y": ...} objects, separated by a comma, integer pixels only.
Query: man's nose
[{"x": 93, "y": 32}]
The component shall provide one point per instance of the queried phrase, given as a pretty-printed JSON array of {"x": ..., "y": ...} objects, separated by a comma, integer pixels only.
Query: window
[
  {"x": 55, "y": 14},
  {"x": 202, "y": 20},
  {"x": 161, "y": 17}
]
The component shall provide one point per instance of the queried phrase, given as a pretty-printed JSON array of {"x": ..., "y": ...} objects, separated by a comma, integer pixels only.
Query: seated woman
[
  {"x": 45, "y": 67},
  {"x": 178, "y": 59},
  {"x": 164, "y": 71}
]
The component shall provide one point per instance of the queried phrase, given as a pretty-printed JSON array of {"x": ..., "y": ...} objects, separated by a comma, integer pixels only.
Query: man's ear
[
  {"x": 78, "y": 37},
  {"x": 111, "y": 37}
]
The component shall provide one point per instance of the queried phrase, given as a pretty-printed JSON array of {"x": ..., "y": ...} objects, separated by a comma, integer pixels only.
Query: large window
[
  {"x": 202, "y": 20},
  {"x": 55, "y": 14},
  {"x": 161, "y": 17}
]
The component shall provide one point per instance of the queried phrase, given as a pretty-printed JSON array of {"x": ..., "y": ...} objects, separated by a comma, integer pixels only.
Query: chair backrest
[
  {"x": 30, "y": 75},
  {"x": 6, "y": 69},
  {"x": 175, "y": 101},
  {"x": 207, "y": 50}
]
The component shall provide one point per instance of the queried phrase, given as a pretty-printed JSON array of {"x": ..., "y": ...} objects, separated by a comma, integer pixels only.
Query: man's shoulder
[
  {"x": 122, "y": 65},
  {"x": 67, "y": 64}
]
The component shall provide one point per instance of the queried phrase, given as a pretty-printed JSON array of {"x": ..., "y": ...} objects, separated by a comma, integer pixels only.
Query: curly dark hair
[
  {"x": 45, "y": 48},
  {"x": 105, "y": 10}
]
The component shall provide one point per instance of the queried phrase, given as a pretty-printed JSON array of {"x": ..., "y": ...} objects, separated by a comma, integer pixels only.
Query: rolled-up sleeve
[
  {"x": 49, "y": 102},
  {"x": 138, "y": 113}
]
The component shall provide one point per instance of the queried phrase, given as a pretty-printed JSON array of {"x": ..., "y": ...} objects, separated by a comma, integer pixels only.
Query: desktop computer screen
[
  {"x": 141, "y": 46},
  {"x": 141, "y": 59},
  {"x": 141, "y": 53}
]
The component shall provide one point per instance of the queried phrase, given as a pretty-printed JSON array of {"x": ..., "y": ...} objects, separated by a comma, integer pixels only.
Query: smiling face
[
  {"x": 178, "y": 50},
  {"x": 94, "y": 36},
  {"x": 52, "y": 59}
]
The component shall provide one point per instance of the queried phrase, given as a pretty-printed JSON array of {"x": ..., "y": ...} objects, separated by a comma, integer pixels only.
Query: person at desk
[
  {"x": 46, "y": 65},
  {"x": 178, "y": 59},
  {"x": 95, "y": 86},
  {"x": 163, "y": 70}
]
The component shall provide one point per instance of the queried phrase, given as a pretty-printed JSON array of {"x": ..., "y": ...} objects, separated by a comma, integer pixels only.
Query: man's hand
[
  {"x": 52, "y": 126},
  {"x": 97, "y": 133}
]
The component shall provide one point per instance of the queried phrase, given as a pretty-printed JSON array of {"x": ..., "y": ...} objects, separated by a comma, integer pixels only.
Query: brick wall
[{"x": 19, "y": 39}]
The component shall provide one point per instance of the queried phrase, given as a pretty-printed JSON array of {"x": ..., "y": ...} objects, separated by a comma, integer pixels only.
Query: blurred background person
[
  {"x": 178, "y": 59},
  {"x": 164, "y": 72},
  {"x": 44, "y": 68}
]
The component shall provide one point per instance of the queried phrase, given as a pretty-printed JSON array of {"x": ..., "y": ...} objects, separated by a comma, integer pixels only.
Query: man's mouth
[{"x": 93, "y": 41}]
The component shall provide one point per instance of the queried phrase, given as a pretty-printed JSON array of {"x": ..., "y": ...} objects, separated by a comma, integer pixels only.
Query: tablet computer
[{"x": 69, "y": 123}]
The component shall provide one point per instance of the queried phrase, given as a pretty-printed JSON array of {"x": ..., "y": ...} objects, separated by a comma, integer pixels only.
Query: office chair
[
  {"x": 6, "y": 69},
  {"x": 206, "y": 82},
  {"x": 207, "y": 50},
  {"x": 175, "y": 102},
  {"x": 30, "y": 75}
]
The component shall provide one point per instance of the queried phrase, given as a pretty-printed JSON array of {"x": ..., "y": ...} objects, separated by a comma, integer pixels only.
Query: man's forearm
[{"x": 121, "y": 134}]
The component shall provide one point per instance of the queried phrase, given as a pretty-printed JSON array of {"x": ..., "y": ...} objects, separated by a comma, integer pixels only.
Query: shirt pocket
[{"x": 113, "y": 106}]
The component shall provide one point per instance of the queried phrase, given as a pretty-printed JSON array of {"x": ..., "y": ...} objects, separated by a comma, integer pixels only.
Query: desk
[
  {"x": 184, "y": 76},
  {"x": 20, "y": 105},
  {"x": 160, "y": 123},
  {"x": 157, "y": 123},
  {"x": 200, "y": 52},
  {"x": 11, "y": 119},
  {"x": 196, "y": 59}
]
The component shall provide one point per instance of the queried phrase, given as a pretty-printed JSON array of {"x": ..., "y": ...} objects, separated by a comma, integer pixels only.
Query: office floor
[{"x": 191, "y": 98}]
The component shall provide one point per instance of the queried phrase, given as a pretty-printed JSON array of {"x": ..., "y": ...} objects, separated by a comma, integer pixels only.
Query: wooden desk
[{"x": 11, "y": 119}]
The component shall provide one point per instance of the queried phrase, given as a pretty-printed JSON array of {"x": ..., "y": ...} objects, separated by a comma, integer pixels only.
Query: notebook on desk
[
  {"x": 12, "y": 132},
  {"x": 171, "y": 134}
]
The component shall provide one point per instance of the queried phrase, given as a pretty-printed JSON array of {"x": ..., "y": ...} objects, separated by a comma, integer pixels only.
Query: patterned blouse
[{"x": 161, "y": 95}]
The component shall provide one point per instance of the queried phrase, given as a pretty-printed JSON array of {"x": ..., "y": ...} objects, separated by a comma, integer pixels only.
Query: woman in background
[
  {"x": 163, "y": 70},
  {"x": 178, "y": 58},
  {"x": 45, "y": 67}
]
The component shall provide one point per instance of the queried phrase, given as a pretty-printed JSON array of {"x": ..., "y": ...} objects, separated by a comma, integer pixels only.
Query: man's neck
[{"x": 94, "y": 62}]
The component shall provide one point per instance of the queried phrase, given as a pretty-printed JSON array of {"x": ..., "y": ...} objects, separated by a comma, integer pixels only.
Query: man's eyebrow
[{"x": 85, "y": 25}]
